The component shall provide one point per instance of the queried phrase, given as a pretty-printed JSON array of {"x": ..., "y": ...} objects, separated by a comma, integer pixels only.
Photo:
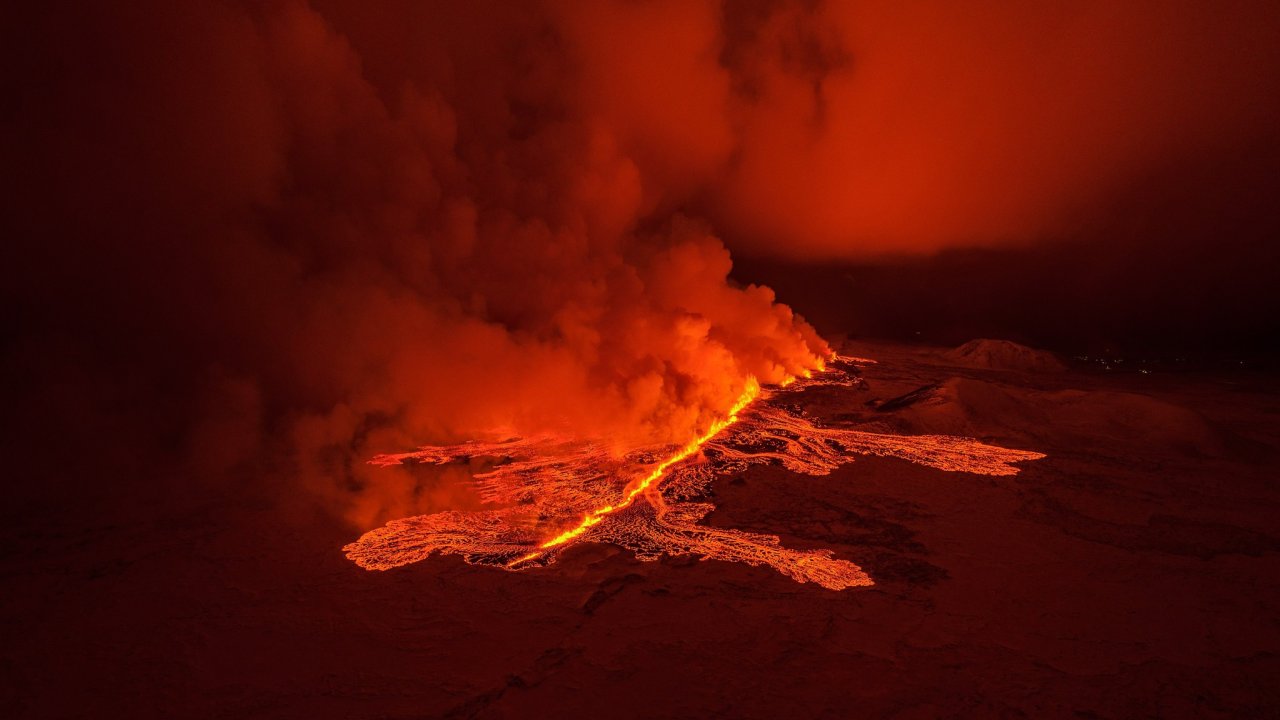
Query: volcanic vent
[{"x": 548, "y": 493}]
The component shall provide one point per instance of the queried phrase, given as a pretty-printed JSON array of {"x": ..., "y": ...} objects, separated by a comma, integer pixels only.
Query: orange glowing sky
[{"x": 304, "y": 233}]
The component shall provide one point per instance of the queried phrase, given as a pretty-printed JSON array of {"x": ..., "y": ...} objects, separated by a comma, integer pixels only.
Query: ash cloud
[
  {"x": 299, "y": 235},
  {"x": 296, "y": 234}
]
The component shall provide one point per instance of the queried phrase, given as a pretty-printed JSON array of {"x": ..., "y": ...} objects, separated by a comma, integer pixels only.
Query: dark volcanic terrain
[{"x": 1134, "y": 572}]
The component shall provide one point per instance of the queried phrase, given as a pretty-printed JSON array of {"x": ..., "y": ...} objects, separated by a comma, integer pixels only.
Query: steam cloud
[{"x": 322, "y": 231}]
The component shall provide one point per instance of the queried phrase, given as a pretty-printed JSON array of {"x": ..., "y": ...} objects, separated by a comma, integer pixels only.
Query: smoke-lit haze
[
  {"x": 888, "y": 127},
  {"x": 315, "y": 232}
]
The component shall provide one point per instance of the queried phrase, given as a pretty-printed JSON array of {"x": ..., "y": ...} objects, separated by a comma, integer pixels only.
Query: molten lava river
[{"x": 547, "y": 494}]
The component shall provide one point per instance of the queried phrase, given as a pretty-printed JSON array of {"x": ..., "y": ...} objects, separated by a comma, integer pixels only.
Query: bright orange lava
[
  {"x": 752, "y": 391},
  {"x": 656, "y": 509}
]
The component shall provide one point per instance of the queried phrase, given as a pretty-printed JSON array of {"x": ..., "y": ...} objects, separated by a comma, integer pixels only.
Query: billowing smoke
[
  {"x": 300, "y": 234},
  {"x": 238, "y": 232}
]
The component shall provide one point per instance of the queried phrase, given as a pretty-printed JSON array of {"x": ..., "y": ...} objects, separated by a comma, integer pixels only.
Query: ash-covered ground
[{"x": 1133, "y": 572}]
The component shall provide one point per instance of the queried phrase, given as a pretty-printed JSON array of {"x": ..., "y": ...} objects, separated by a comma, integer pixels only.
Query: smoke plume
[
  {"x": 299, "y": 234},
  {"x": 238, "y": 235}
]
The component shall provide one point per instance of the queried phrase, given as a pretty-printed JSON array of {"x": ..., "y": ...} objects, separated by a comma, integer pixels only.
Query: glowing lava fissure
[
  {"x": 749, "y": 394},
  {"x": 653, "y": 509}
]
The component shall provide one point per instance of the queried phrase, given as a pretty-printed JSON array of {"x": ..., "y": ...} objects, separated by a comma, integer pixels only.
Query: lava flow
[
  {"x": 753, "y": 389},
  {"x": 646, "y": 500}
]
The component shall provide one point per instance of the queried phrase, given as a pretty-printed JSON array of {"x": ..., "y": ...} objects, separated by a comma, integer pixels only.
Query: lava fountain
[{"x": 548, "y": 493}]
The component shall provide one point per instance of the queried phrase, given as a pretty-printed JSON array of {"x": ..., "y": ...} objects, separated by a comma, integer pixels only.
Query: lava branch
[
  {"x": 594, "y": 517},
  {"x": 771, "y": 434}
]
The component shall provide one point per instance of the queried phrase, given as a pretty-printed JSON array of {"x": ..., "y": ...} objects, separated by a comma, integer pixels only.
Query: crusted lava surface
[
  {"x": 1133, "y": 571},
  {"x": 640, "y": 499}
]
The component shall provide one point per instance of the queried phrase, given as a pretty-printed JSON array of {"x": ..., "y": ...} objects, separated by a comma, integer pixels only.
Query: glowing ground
[
  {"x": 1132, "y": 572},
  {"x": 548, "y": 494}
]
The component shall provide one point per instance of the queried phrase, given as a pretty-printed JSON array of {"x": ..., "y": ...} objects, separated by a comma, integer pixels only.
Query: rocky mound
[
  {"x": 1004, "y": 355},
  {"x": 962, "y": 406}
]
